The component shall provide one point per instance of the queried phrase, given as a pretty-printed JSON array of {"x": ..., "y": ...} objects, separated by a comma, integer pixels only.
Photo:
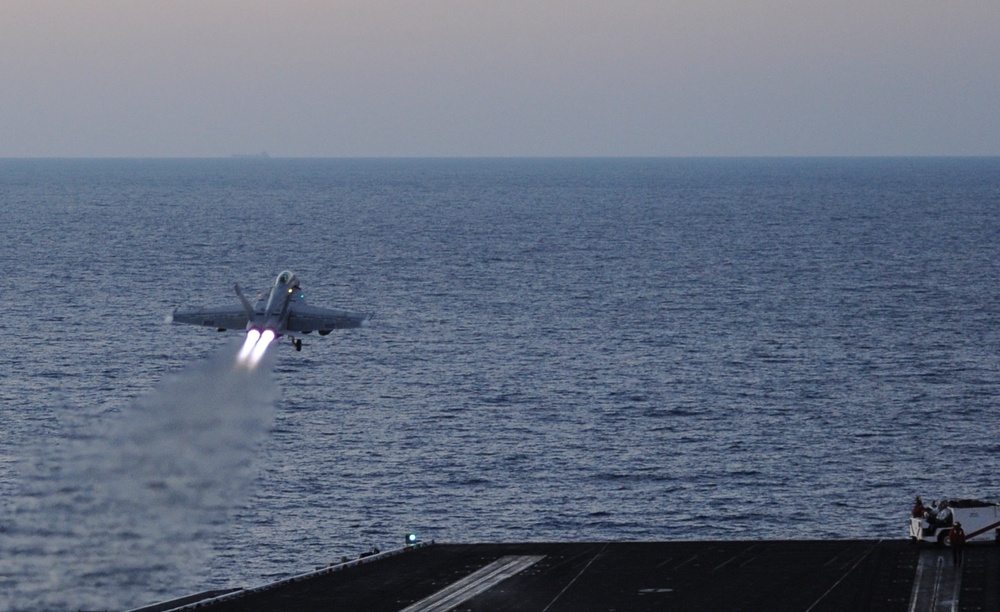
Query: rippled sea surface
[{"x": 561, "y": 350}]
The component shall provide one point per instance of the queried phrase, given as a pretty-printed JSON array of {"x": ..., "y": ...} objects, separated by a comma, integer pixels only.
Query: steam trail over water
[{"x": 126, "y": 511}]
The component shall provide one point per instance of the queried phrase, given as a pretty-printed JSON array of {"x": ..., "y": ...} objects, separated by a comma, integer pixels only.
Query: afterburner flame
[
  {"x": 252, "y": 337},
  {"x": 258, "y": 350},
  {"x": 254, "y": 347}
]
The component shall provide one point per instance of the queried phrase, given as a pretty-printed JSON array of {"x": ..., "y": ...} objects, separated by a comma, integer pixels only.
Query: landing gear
[{"x": 298, "y": 343}]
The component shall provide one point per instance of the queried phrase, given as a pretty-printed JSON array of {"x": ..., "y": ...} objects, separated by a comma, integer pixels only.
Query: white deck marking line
[
  {"x": 851, "y": 569},
  {"x": 917, "y": 581},
  {"x": 577, "y": 577},
  {"x": 474, "y": 584},
  {"x": 936, "y": 585}
]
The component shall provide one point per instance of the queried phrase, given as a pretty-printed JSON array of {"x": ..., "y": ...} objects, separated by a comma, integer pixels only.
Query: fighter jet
[{"x": 283, "y": 311}]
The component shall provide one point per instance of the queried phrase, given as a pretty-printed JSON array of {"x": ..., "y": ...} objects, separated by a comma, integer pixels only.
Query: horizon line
[{"x": 268, "y": 158}]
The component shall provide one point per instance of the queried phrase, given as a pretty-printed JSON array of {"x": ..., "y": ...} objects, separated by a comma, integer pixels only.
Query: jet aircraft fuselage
[{"x": 282, "y": 311}]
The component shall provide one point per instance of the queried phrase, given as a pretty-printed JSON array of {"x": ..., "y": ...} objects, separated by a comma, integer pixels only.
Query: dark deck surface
[{"x": 753, "y": 575}]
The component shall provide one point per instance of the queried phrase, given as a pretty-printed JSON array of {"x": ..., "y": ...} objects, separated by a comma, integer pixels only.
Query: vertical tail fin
[{"x": 243, "y": 300}]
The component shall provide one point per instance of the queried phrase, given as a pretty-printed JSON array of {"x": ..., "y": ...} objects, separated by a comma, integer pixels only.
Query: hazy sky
[{"x": 194, "y": 78}]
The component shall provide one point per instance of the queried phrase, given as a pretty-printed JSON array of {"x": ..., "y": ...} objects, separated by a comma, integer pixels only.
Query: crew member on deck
[
  {"x": 957, "y": 538},
  {"x": 944, "y": 516},
  {"x": 918, "y": 508}
]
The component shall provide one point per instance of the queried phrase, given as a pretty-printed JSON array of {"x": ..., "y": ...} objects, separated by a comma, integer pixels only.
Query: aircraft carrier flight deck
[{"x": 834, "y": 575}]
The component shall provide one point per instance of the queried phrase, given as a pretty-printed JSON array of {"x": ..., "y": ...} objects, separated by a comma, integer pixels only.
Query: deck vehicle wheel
[{"x": 943, "y": 540}]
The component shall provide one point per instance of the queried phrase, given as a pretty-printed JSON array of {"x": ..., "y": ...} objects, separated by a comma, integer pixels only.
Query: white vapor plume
[{"x": 130, "y": 516}]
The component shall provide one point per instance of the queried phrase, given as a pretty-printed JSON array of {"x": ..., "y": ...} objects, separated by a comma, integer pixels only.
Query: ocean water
[{"x": 590, "y": 349}]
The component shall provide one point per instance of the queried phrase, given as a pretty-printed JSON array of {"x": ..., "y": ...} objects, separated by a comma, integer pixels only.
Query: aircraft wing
[
  {"x": 219, "y": 318},
  {"x": 304, "y": 319}
]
